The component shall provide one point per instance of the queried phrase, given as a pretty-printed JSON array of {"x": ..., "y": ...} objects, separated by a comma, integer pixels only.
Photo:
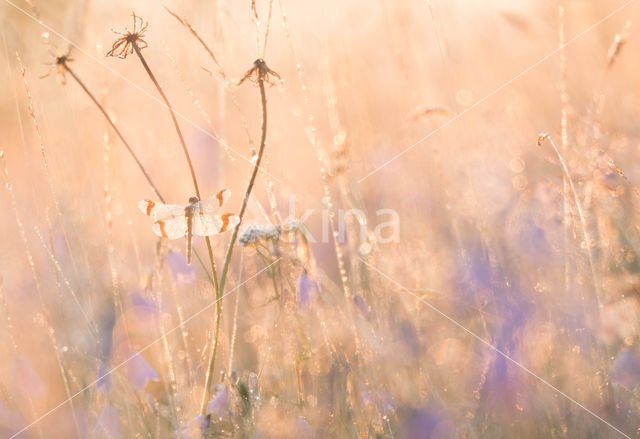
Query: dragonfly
[{"x": 198, "y": 217}]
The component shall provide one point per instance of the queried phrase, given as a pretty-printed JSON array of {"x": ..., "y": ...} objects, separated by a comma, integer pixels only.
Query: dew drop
[
  {"x": 364, "y": 248},
  {"x": 338, "y": 139}
]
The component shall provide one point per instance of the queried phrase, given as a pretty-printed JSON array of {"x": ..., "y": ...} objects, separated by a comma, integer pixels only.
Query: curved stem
[
  {"x": 173, "y": 116},
  {"x": 133, "y": 155},
  {"x": 234, "y": 236},
  {"x": 186, "y": 154},
  {"x": 117, "y": 131}
]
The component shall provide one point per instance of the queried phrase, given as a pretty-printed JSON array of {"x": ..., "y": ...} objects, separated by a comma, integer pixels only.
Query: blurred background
[{"x": 431, "y": 109}]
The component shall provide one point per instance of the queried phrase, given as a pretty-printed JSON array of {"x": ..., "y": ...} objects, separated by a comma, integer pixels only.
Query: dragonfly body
[
  {"x": 189, "y": 212},
  {"x": 198, "y": 217}
]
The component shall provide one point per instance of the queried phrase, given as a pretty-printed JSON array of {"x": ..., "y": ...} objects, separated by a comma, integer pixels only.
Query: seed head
[
  {"x": 125, "y": 45},
  {"x": 59, "y": 65}
]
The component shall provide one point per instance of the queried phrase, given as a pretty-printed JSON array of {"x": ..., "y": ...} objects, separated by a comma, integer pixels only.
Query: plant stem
[
  {"x": 234, "y": 236},
  {"x": 133, "y": 154},
  {"x": 581, "y": 216},
  {"x": 173, "y": 116},
  {"x": 186, "y": 153},
  {"x": 115, "y": 128}
]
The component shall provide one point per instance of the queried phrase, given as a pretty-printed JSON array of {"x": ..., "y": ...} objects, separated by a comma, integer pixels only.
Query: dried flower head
[
  {"x": 253, "y": 234},
  {"x": 125, "y": 45},
  {"x": 264, "y": 233},
  {"x": 260, "y": 73},
  {"x": 542, "y": 137},
  {"x": 59, "y": 65}
]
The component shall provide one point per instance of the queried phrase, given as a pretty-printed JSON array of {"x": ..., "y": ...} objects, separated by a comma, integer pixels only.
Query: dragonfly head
[{"x": 193, "y": 200}]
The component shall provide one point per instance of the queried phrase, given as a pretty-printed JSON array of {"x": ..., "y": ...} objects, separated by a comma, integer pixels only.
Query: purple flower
[
  {"x": 219, "y": 404},
  {"x": 626, "y": 369},
  {"x": 361, "y": 305},
  {"x": 306, "y": 291},
  {"x": 474, "y": 271},
  {"x": 302, "y": 429},
  {"x": 143, "y": 303},
  {"x": 482, "y": 277},
  {"x": 140, "y": 318},
  {"x": 104, "y": 384},
  {"x": 194, "y": 429},
  {"x": 407, "y": 339},
  {"x": 108, "y": 424},
  {"x": 426, "y": 423},
  {"x": 181, "y": 272},
  {"x": 140, "y": 372}
]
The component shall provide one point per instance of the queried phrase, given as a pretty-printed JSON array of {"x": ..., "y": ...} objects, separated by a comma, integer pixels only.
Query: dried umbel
[
  {"x": 264, "y": 233},
  {"x": 126, "y": 44},
  {"x": 59, "y": 65},
  {"x": 254, "y": 234}
]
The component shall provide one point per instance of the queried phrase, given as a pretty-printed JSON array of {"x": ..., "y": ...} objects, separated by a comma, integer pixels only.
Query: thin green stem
[{"x": 234, "y": 236}]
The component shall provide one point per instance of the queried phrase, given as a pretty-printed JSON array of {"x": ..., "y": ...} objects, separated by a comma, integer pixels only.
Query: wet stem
[
  {"x": 115, "y": 128},
  {"x": 227, "y": 259},
  {"x": 188, "y": 157},
  {"x": 129, "y": 149}
]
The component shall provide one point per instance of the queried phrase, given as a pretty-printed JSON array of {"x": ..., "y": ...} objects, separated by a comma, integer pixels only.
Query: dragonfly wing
[
  {"x": 172, "y": 228},
  {"x": 160, "y": 211},
  {"x": 207, "y": 225},
  {"x": 212, "y": 204}
]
